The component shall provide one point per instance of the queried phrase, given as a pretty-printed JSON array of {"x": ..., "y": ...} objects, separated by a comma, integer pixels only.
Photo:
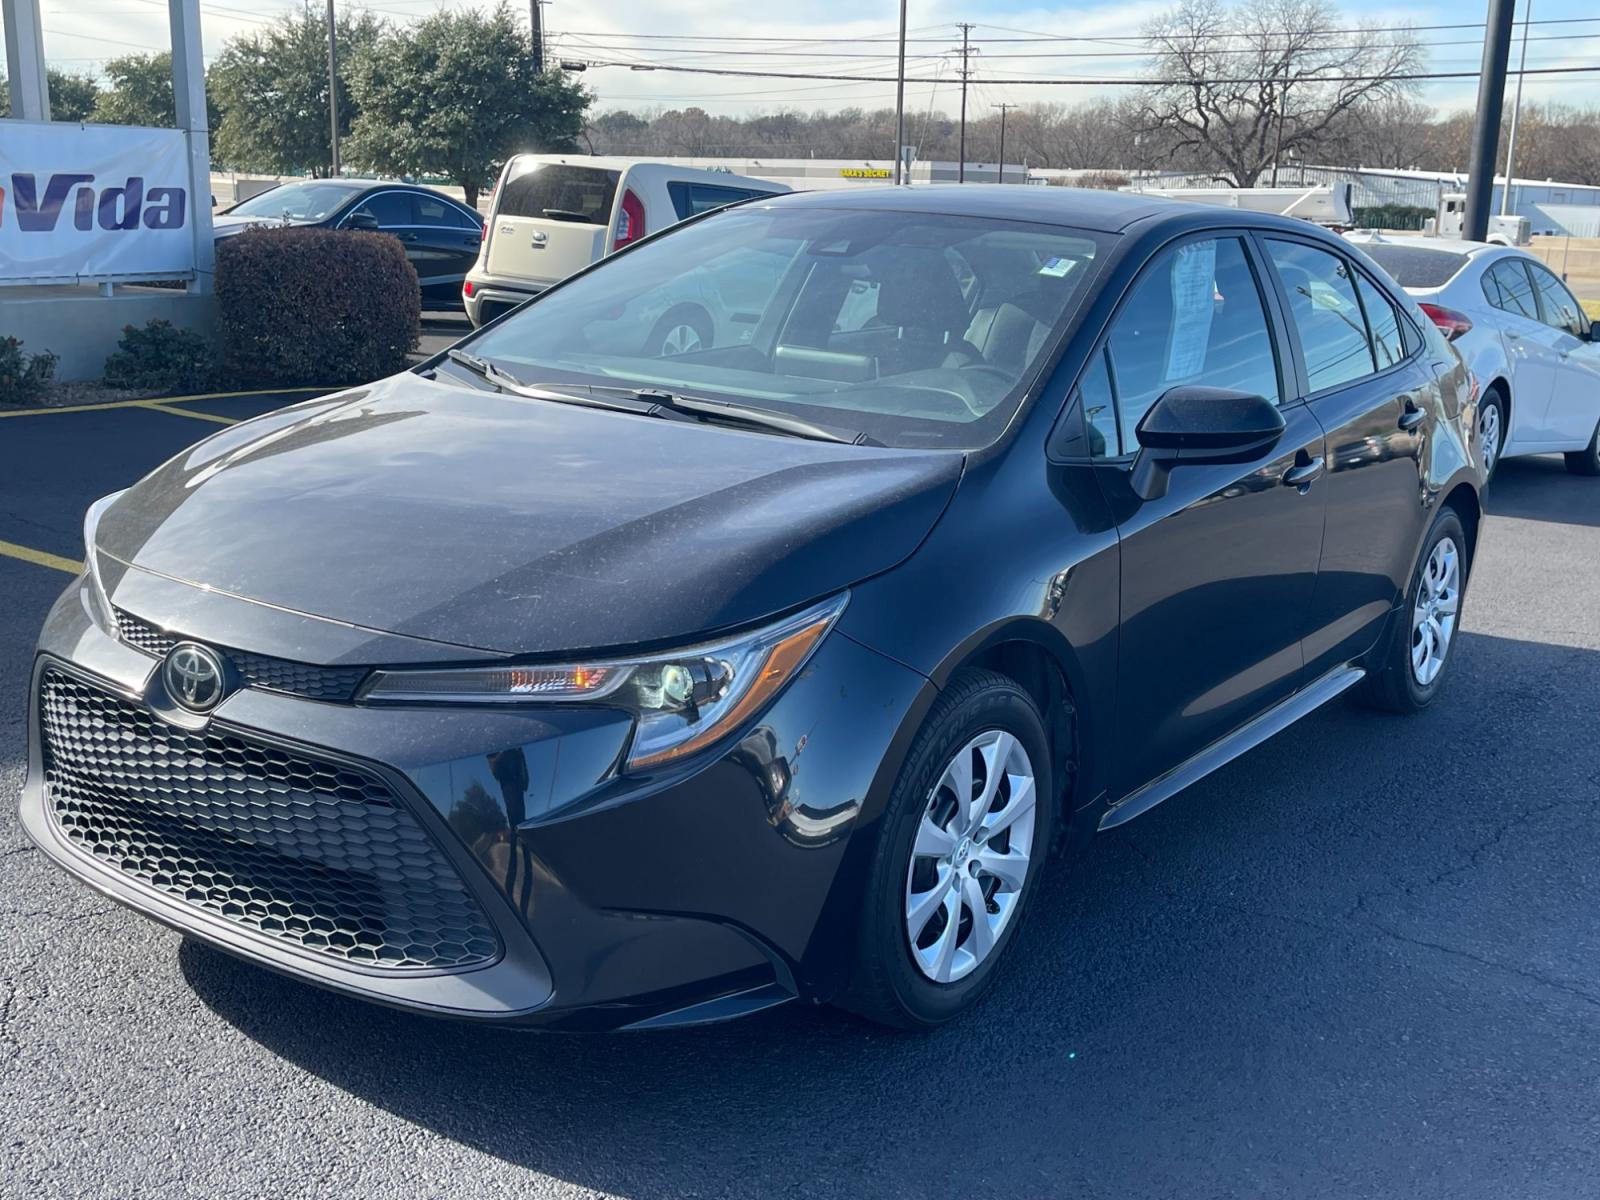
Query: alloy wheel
[
  {"x": 1433, "y": 616},
  {"x": 682, "y": 338},
  {"x": 1489, "y": 435},
  {"x": 970, "y": 860}
]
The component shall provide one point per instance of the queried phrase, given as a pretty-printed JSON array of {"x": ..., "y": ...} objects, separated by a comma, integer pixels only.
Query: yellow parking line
[
  {"x": 184, "y": 412},
  {"x": 40, "y": 558},
  {"x": 75, "y": 408}
]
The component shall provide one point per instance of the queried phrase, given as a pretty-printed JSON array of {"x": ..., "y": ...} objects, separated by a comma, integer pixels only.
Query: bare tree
[{"x": 1238, "y": 87}]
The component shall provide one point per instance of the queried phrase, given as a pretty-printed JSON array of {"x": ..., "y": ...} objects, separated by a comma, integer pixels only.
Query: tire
[
  {"x": 1493, "y": 425},
  {"x": 1397, "y": 684},
  {"x": 894, "y": 981},
  {"x": 682, "y": 330},
  {"x": 1586, "y": 462}
]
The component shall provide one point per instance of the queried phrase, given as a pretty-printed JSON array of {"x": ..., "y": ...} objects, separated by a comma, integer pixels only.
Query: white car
[
  {"x": 1523, "y": 334},
  {"x": 553, "y": 214}
]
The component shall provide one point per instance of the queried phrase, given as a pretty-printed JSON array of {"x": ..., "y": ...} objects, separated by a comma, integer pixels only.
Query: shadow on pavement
[
  {"x": 1348, "y": 963},
  {"x": 1542, "y": 489}
]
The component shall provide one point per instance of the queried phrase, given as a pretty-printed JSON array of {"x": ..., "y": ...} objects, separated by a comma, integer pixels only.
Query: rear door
[
  {"x": 1362, "y": 370},
  {"x": 1574, "y": 407},
  {"x": 1530, "y": 349},
  {"x": 550, "y": 220},
  {"x": 442, "y": 244},
  {"x": 1218, "y": 574}
]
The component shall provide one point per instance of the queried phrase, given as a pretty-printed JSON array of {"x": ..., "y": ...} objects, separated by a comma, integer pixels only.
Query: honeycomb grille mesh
[
  {"x": 314, "y": 853},
  {"x": 255, "y": 670}
]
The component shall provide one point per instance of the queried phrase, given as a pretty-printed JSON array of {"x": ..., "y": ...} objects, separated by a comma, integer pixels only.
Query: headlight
[
  {"x": 681, "y": 701},
  {"x": 97, "y": 588}
]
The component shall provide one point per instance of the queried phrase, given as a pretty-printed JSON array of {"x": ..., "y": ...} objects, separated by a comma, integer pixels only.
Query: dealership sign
[{"x": 91, "y": 202}]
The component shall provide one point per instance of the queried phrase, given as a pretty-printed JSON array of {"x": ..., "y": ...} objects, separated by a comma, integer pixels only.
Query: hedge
[{"x": 310, "y": 307}]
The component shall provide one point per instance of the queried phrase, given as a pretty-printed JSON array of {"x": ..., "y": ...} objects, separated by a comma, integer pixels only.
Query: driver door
[{"x": 1218, "y": 574}]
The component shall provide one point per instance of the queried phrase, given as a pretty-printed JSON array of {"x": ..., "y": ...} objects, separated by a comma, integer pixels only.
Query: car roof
[
  {"x": 1420, "y": 241},
  {"x": 1083, "y": 208},
  {"x": 650, "y": 167}
]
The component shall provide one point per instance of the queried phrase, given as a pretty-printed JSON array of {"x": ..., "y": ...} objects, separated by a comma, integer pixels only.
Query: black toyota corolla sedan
[{"x": 552, "y": 682}]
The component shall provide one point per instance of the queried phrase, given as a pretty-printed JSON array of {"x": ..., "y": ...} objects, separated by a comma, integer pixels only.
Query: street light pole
[
  {"x": 1004, "y": 108},
  {"x": 1516, "y": 112},
  {"x": 1486, "y": 129},
  {"x": 961, "y": 169},
  {"x": 333, "y": 90},
  {"x": 900, "y": 103}
]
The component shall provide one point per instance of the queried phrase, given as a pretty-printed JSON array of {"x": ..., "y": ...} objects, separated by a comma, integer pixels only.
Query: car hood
[{"x": 484, "y": 520}]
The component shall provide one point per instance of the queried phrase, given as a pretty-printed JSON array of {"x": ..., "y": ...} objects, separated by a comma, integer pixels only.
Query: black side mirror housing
[
  {"x": 1201, "y": 425},
  {"x": 1594, "y": 333},
  {"x": 362, "y": 221}
]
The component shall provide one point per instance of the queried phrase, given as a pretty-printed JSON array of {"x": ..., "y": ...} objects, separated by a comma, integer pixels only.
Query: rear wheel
[
  {"x": 1586, "y": 462},
  {"x": 958, "y": 856},
  {"x": 683, "y": 330},
  {"x": 1492, "y": 428},
  {"x": 1423, "y": 634}
]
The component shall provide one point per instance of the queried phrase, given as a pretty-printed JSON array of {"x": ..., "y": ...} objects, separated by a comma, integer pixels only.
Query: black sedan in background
[
  {"x": 441, "y": 235},
  {"x": 557, "y": 681}
]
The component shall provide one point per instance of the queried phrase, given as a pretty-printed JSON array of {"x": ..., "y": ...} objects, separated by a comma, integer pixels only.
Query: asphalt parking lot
[{"x": 1361, "y": 961}]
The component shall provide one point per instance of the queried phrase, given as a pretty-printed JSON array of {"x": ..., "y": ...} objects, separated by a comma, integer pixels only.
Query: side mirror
[
  {"x": 1201, "y": 425},
  {"x": 363, "y": 221},
  {"x": 1594, "y": 333}
]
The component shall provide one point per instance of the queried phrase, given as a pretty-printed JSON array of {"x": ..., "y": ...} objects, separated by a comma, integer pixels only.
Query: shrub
[
  {"x": 23, "y": 376},
  {"x": 161, "y": 357},
  {"x": 313, "y": 307}
]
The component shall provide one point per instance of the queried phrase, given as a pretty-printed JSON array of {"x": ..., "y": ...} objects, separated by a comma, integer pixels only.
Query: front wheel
[
  {"x": 1586, "y": 462},
  {"x": 958, "y": 857},
  {"x": 1423, "y": 634}
]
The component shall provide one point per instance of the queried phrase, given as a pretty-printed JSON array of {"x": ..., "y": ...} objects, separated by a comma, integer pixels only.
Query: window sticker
[
  {"x": 1194, "y": 269},
  {"x": 1056, "y": 267}
]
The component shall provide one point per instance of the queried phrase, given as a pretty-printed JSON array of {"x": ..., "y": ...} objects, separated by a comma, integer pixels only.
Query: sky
[{"x": 855, "y": 37}]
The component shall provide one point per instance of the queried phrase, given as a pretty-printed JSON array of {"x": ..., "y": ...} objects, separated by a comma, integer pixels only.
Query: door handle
[
  {"x": 1412, "y": 417},
  {"x": 1304, "y": 473}
]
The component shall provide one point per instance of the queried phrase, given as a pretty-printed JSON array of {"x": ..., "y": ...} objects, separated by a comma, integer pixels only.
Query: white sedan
[{"x": 1523, "y": 333}]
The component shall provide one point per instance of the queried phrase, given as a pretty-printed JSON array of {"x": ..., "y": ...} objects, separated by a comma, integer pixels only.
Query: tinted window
[
  {"x": 1194, "y": 317},
  {"x": 1556, "y": 305},
  {"x": 1507, "y": 286},
  {"x": 298, "y": 201},
  {"x": 851, "y": 318},
  {"x": 390, "y": 208},
  {"x": 1099, "y": 406},
  {"x": 436, "y": 210},
  {"x": 559, "y": 191},
  {"x": 1388, "y": 345},
  {"x": 1415, "y": 266},
  {"x": 1322, "y": 304},
  {"x": 691, "y": 199}
]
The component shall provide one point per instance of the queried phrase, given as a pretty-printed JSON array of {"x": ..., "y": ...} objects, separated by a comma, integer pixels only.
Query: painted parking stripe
[
  {"x": 115, "y": 404},
  {"x": 40, "y": 558},
  {"x": 184, "y": 412}
]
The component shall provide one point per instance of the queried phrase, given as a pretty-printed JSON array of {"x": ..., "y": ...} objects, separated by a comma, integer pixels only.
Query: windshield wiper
[
  {"x": 507, "y": 382},
  {"x": 566, "y": 214},
  {"x": 731, "y": 413}
]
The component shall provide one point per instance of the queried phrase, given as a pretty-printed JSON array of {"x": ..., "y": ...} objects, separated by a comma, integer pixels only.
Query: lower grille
[
  {"x": 255, "y": 670},
  {"x": 317, "y": 854}
]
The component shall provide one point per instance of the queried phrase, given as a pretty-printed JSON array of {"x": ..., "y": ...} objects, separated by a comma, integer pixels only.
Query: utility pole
[
  {"x": 1516, "y": 112},
  {"x": 1486, "y": 130},
  {"x": 536, "y": 27},
  {"x": 900, "y": 104},
  {"x": 333, "y": 90},
  {"x": 1004, "y": 108},
  {"x": 966, "y": 71}
]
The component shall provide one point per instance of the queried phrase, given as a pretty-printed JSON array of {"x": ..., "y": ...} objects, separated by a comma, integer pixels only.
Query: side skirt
[{"x": 1247, "y": 737}]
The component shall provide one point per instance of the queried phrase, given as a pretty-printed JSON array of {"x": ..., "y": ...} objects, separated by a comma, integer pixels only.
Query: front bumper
[{"x": 723, "y": 886}]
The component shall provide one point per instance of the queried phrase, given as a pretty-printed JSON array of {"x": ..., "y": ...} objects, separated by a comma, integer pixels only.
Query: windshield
[
  {"x": 297, "y": 201},
  {"x": 1416, "y": 266},
  {"x": 917, "y": 329}
]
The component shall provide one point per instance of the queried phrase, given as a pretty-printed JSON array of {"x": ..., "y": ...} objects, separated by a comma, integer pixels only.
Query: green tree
[
  {"x": 272, "y": 87},
  {"x": 72, "y": 97},
  {"x": 455, "y": 95},
  {"x": 139, "y": 92}
]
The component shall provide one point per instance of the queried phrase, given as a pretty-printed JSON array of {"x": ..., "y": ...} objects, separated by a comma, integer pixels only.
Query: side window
[
  {"x": 1507, "y": 286},
  {"x": 437, "y": 212},
  {"x": 1323, "y": 306},
  {"x": 1194, "y": 317},
  {"x": 1099, "y": 407},
  {"x": 692, "y": 199},
  {"x": 390, "y": 209},
  {"x": 1388, "y": 346},
  {"x": 1556, "y": 304}
]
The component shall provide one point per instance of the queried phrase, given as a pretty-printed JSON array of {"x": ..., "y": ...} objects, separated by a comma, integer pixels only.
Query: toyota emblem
[{"x": 193, "y": 677}]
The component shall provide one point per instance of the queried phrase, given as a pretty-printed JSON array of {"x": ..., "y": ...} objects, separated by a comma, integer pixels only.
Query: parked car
[
  {"x": 441, "y": 235},
  {"x": 553, "y": 214},
  {"x": 1523, "y": 333},
  {"x": 557, "y": 681}
]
